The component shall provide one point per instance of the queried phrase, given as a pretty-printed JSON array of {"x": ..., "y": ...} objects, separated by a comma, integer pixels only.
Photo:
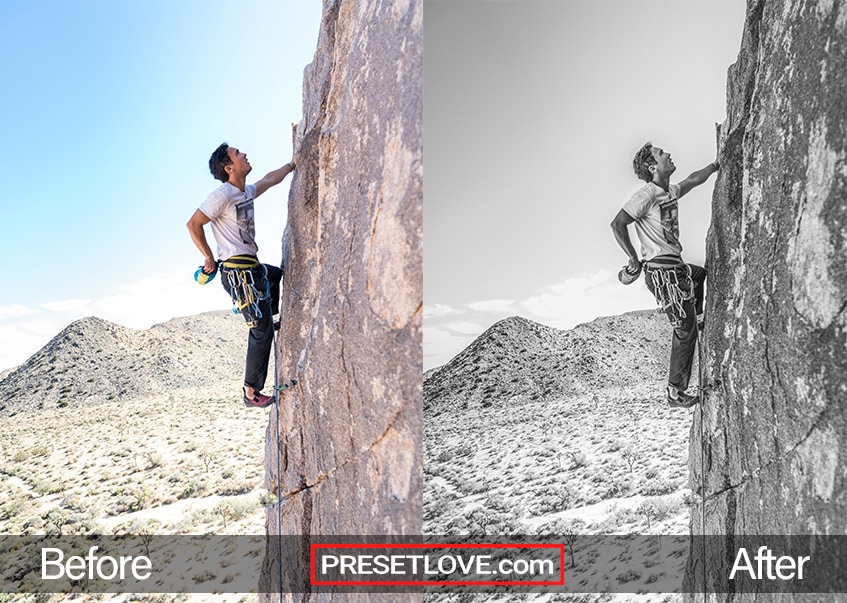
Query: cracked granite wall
[
  {"x": 350, "y": 433},
  {"x": 774, "y": 421}
]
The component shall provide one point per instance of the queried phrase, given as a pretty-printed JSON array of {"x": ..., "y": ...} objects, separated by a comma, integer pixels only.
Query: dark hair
[
  {"x": 218, "y": 161},
  {"x": 642, "y": 162}
]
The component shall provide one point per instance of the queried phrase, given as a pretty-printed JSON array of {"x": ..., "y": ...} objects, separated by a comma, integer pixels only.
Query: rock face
[
  {"x": 774, "y": 424},
  {"x": 350, "y": 433}
]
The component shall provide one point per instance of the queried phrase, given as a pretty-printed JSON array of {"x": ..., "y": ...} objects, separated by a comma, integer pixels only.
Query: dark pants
[
  {"x": 684, "y": 341},
  {"x": 261, "y": 337}
]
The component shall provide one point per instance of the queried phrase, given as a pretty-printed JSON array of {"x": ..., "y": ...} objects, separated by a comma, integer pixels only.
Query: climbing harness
[
  {"x": 673, "y": 286},
  {"x": 241, "y": 272}
]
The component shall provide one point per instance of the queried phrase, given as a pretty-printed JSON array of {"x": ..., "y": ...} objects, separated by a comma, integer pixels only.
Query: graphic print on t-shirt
[
  {"x": 244, "y": 215},
  {"x": 670, "y": 221}
]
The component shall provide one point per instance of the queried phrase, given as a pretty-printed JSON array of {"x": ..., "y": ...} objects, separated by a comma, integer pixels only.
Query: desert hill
[
  {"x": 172, "y": 451},
  {"x": 533, "y": 430},
  {"x": 520, "y": 359},
  {"x": 93, "y": 361}
]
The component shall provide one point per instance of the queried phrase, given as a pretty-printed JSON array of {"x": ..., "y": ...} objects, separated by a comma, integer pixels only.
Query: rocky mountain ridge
[
  {"x": 519, "y": 358},
  {"x": 93, "y": 361}
]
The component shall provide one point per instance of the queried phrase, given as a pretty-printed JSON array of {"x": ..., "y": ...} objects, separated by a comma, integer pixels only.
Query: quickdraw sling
[
  {"x": 240, "y": 272},
  {"x": 672, "y": 286}
]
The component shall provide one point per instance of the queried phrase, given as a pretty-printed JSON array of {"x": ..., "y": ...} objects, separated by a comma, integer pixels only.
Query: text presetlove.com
[{"x": 442, "y": 564}]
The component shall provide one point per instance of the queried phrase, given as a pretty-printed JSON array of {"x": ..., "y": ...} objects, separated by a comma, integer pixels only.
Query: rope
[
  {"x": 245, "y": 296},
  {"x": 278, "y": 475},
  {"x": 669, "y": 291},
  {"x": 276, "y": 432},
  {"x": 702, "y": 457}
]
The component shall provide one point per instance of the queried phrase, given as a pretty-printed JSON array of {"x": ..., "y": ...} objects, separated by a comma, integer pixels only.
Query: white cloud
[
  {"x": 160, "y": 298},
  {"x": 73, "y": 306},
  {"x": 499, "y": 306},
  {"x": 582, "y": 299},
  {"x": 464, "y": 327},
  {"x": 438, "y": 311},
  {"x": 15, "y": 311}
]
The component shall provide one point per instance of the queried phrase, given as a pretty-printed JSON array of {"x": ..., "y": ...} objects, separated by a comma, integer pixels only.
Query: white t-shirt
[
  {"x": 656, "y": 215},
  {"x": 231, "y": 213}
]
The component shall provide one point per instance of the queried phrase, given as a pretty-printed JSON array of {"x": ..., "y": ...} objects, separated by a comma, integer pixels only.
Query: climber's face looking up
[
  {"x": 239, "y": 164},
  {"x": 664, "y": 164}
]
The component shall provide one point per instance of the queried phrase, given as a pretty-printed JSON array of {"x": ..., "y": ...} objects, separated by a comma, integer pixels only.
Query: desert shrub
[
  {"x": 444, "y": 456},
  {"x": 194, "y": 488},
  {"x": 227, "y": 473},
  {"x": 498, "y": 503},
  {"x": 630, "y": 456},
  {"x": 628, "y": 576},
  {"x": 154, "y": 459},
  {"x": 435, "y": 507},
  {"x": 234, "y": 488},
  {"x": 12, "y": 506},
  {"x": 578, "y": 459},
  {"x": 132, "y": 500},
  {"x": 463, "y": 450},
  {"x": 203, "y": 576},
  {"x": 620, "y": 486},
  {"x": 544, "y": 504},
  {"x": 473, "y": 486},
  {"x": 652, "y": 473},
  {"x": 658, "y": 487},
  {"x": 207, "y": 456},
  {"x": 224, "y": 511},
  {"x": 45, "y": 487},
  {"x": 40, "y": 451},
  {"x": 656, "y": 509},
  {"x": 615, "y": 445},
  {"x": 242, "y": 507},
  {"x": 20, "y": 456},
  {"x": 74, "y": 503}
]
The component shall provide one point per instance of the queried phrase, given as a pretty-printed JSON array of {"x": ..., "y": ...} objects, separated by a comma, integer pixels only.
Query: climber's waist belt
[
  {"x": 241, "y": 262},
  {"x": 665, "y": 262}
]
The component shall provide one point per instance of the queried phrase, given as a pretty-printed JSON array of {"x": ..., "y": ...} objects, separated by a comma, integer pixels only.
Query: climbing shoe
[
  {"x": 678, "y": 399},
  {"x": 258, "y": 400}
]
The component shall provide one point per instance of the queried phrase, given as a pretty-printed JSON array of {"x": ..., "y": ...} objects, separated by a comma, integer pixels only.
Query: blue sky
[
  {"x": 533, "y": 111},
  {"x": 111, "y": 110}
]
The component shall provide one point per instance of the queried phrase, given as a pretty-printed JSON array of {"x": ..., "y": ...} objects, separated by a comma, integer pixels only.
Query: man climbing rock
[
  {"x": 677, "y": 286},
  {"x": 253, "y": 286}
]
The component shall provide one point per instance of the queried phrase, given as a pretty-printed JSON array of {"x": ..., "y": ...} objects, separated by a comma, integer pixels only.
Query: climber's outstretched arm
[
  {"x": 273, "y": 178},
  {"x": 697, "y": 178}
]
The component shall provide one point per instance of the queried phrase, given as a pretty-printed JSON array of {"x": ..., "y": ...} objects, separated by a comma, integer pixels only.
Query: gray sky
[{"x": 532, "y": 114}]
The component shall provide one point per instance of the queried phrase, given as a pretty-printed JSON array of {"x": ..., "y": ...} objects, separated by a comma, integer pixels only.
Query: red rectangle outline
[{"x": 315, "y": 582}]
